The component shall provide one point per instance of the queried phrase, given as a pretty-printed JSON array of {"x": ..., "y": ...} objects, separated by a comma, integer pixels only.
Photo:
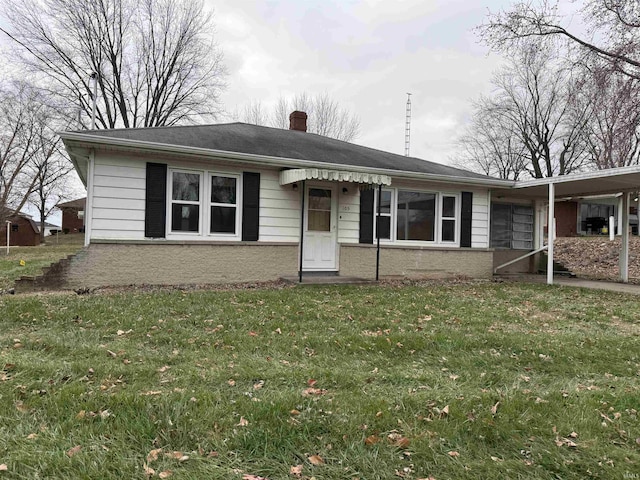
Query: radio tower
[{"x": 407, "y": 127}]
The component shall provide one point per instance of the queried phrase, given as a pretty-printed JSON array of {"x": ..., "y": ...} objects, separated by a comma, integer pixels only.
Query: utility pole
[{"x": 407, "y": 127}]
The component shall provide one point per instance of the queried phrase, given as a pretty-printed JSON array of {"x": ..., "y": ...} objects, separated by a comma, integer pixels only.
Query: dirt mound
[{"x": 596, "y": 257}]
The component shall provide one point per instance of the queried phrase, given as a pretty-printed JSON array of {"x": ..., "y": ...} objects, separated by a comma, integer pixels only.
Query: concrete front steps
[{"x": 326, "y": 278}]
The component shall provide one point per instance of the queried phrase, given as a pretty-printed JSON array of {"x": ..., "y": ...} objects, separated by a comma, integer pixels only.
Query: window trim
[
  {"x": 438, "y": 218},
  {"x": 237, "y": 205},
  {"x": 392, "y": 215},
  {"x": 205, "y": 204},
  {"x": 171, "y": 201},
  {"x": 456, "y": 218}
]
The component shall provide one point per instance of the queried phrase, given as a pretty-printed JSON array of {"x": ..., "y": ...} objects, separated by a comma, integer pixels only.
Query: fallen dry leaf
[
  {"x": 72, "y": 451},
  {"x": 308, "y": 392},
  {"x": 165, "y": 474},
  {"x": 164, "y": 369},
  {"x": 316, "y": 460},
  {"x": 243, "y": 422},
  {"x": 3, "y": 467},
  {"x": 371, "y": 440},
  {"x": 152, "y": 456},
  {"x": 312, "y": 382},
  {"x": 295, "y": 412},
  {"x": 246, "y": 476},
  {"x": 398, "y": 440},
  {"x": 453, "y": 453},
  {"x": 31, "y": 436},
  {"x": 296, "y": 470},
  {"x": 494, "y": 409},
  {"x": 148, "y": 470}
]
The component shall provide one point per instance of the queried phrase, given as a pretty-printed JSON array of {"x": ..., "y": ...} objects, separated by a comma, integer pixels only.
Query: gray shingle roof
[{"x": 275, "y": 142}]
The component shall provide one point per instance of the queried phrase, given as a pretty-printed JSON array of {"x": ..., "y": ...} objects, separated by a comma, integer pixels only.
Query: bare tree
[
  {"x": 491, "y": 144},
  {"x": 534, "y": 109},
  {"x": 19, "y": 131},
  {"x": 155, "y": 60},
  {"x": 325, "y": 115},
  {"x": 614, "y": 30},
  {"x": 254, "y": 113},
  {"x": 51, "y": 170},
  {"x": 613, "y": 128}
]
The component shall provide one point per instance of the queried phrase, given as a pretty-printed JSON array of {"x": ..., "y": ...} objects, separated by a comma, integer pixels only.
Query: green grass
[
  {"x": 525, "y": 372},
  {"x": 35, "y": 258}
]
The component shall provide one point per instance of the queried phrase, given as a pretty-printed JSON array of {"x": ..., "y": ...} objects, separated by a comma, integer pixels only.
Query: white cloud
[{"x": 367, "y": 54}]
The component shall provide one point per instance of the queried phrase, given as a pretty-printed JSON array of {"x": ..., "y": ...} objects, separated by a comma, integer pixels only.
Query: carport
[{"x": 624, "y": 180}]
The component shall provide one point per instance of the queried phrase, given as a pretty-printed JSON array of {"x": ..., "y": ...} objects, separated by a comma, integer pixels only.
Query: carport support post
[
  {"x": 301, "y": 231},
  {"x": 378, "y": 233},
  {"x": 550, "y": 232},
  {"x": 624, "y": 247}
]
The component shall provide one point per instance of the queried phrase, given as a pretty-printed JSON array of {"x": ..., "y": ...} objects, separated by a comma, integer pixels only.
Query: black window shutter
[
  {"x": 155, "y": 209},
  {"x": 465, "y": 219},
  {"x": 250, "y": 206},
  {"x": 366, "y": 215}
]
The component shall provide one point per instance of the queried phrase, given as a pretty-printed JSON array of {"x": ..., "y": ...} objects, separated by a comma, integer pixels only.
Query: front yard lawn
[
  {"x": 34, "y": 259},
  {"x": 442, "y": 381}
]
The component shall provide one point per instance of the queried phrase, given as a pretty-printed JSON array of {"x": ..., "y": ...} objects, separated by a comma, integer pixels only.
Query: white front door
[{"x": 320, "y": 229}]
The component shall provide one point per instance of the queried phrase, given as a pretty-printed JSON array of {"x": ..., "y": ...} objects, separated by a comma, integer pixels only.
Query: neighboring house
[
  {"x": 73, "y": 215},
  {"x": 23, "y": 231},
  {"x": 50, "y": 228},
  {"x": 236, "y": 203}
]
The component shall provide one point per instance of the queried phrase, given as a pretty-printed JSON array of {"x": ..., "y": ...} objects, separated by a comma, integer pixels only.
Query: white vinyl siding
[
  {"x": 119, "y": 197},
  {"x": 348, "y": 214},
  {"x": 279, "y": 209},
  {"x": 480, "y": 219}
]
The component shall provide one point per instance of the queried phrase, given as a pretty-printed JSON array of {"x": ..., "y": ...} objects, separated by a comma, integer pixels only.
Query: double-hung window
[
  {"x": 185, "y": 201},
  {"x": 383, "y": 229},
  {"x": 224, "y": 205},
  {"x": 204, "y": 203},
  {"x": 448, "y": 219}
]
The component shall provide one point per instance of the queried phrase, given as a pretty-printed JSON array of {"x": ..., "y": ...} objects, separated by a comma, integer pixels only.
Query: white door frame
[{"x": 333, "y": 233}]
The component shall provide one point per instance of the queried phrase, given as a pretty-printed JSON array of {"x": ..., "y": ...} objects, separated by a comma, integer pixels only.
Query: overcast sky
[{"x": 367, "y": 55}]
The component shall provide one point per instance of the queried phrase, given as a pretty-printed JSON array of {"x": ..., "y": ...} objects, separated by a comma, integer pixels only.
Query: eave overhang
[{"x": 74, "y": 140}]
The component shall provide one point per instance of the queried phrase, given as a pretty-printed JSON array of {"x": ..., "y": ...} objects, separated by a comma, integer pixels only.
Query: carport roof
[{"x": 600, "y": 182}]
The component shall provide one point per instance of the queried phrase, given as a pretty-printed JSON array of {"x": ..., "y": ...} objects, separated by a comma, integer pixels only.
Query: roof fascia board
[
  {"x": 595, "y": 175},
  {"x": 274, "y": 161}
]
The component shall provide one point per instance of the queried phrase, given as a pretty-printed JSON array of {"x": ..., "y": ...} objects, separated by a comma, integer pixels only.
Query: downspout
[
  {"x": 378, "y": 233},
  {"x": 301, "y": 231}
]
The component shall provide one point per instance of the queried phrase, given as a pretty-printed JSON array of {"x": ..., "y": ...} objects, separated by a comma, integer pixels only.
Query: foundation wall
[
  {"x": 124, "y": 264},
  {"x": 415, "y": 262},
  {"x": 526, "y": 265}
]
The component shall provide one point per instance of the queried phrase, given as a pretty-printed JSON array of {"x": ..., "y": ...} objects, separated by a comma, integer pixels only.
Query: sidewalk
[{"x": 582, "y": 283}]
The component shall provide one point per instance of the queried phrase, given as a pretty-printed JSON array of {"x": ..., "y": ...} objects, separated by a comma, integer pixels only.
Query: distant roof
[
  {"x": 79, "y": 203},
  {"x": 275, "y": 142}
]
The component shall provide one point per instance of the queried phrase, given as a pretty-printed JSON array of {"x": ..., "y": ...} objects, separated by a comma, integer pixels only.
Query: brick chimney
[{"x": 298, "y": 121}]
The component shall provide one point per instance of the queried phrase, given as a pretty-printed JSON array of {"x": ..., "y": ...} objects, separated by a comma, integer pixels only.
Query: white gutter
[{"x": 275, "y": 161}]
